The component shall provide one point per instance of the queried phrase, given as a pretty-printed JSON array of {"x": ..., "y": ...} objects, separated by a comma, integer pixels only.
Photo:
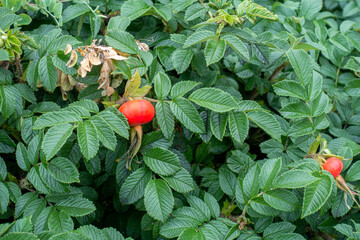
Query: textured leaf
[
  {"x": 55, "y": 138},
  {"x": 214, "y": 51},
  {"x": 269, "y": 171},
  {"x": 54, "y": 118},
  {"x": 134, "y": 186},
  {"x": 181, "y": 181},
  {"x": 74, "y": 11},
  {"x": 236, "y": 44},
  {"x": 302, "y": 64},
  {"x": 106, "y": 134},
  {"x": 63, "y": 170},
  {"x": 282, "y": 199},
  {"x": 122, "y": 41},
  {"x": 181, "y": 88},
  {"x": 213, "y": 99},
  {"x": 218, "y": 122},
  {"x": 134, "y": 9},
  {"x": 162, "y": 161},
  {"x": 191, "y": 233},
  {"x": 4, "y": 198},
  {"x": 47, "y": 73},
  {"x": 88, "y": 139},
  {"x": 294, "y": 179},
  {"x": 75, "y": 206},
  {"x": 22, "y": 158},
  {"x": 162, "y": 85},
  {"x": 181, "y": 59},
  {"x": 165, "y": 118},
  {"x": 290, "y": 88},
  {"x": 187, "y": 114},
  {"x": 238, "y": 125},
  {"x": 60, "y": 222},
  {"x": 316, "y": 195},
  {"x": 197, "y": 37},
  {"x": 267, "y": 122},
  {"x": 158, "y": 199},
  {"x": 118, "y": 122}
]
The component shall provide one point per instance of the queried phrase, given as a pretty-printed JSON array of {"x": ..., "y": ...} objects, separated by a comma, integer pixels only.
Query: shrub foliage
[{"x": 250, "y": 97}]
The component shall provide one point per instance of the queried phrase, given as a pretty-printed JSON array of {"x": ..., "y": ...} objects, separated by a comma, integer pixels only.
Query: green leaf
[
  {"x": 4, "y": 198},
  {"x": 106, "y": 134},
  {"x": 353, "y": 174},
  {"x": 227, "y": 181},
  {"x": 278, "y": 228},
  {"x": 218, "y": 122},
  {"x": 67, "y": 236},
  {"x": 251, "y": 182},
  {"x": 3, "y": 169},
  {"x": 36, "y": 180},
  {"x": 119, "y": 23},
  {"x": 292, "y": 236},
  {"x": 301, "y": 128},
  {"x": 47, "y": 73},
  {"x": 174, "y": 227},
  {"x": 63, "y": 170},
  {"x": 353, "y": 87},
  {"x": 165, "y": 118},
  {"x": 55, "y": 118},
  {"x": 117, "y": 121},
  {"x": 309, "y": 8},
  {"x": 22, "y": 158},
  {"x": 20, "y": 236},
  {"x": 238, "y": 46},
  {"x": 26, "y": 92},
  {"x": 198, "y": 37},
  {"x": 259, "y": 205},
  {"x": 196, "y": 10},
  {"x": 213, "y": 205},
  {"x": 4, "y": 56},
  {"x": 181, "y": 88},
  {"x": 88, "y": 139},
  {"x": 163, "y": 10},
  {"x": 294, "y": 179},
  {"x": 296, "y": 110},
  {"x": 179, "y": 5},
  {"x": 122, "y": 41},
  {"x": 290, "y": 88},
  {"x": 181, "y": 59},
  {"x": 214, "y": 51},
  {"x": 266, "y": 122},
  {"x": 23, "y": 202},
  {"x": 134, "y": 186},
  {"x": 59, "y": 44},
  {"x": 199, "y": 205},
  {"x": 162, "y": 85},
  {"x": 191, "y": 233},
  {"x": 213, "y": 99},
  {"x": 134, "y": 9},
  {"x": 302, "y": 64},
  {"x": 76, "y": 206},
  {"x": 315, "y": 87},
  {"x": 7, "y": 101},
  {"x": 282, "y": 199},
  {"x": 74, "y": 11},
  {"x": 316, "y": 195},
  {"x": 112, "y": 234},
  {"x": 162, "y": 161},
  {"x": 55, "y": 138},
  {"x": 187, "y": 114},
  {"x": 238, "y": 125},
  {"x": 181, "y": 181},
  {"x": 60, "y": 222},
  {"x": 269, "y": 171},
  {"x": 158, "y": 200}
]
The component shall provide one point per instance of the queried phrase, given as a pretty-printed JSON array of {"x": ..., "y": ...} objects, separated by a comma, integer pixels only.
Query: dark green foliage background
[{"x": 241, "y": 90}]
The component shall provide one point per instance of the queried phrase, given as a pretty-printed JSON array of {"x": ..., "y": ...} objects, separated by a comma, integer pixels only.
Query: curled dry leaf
[
  {"x": 73, "y": 59},
  {"x": 67, "y": 49},
  {"x": 142, "y": 46}
]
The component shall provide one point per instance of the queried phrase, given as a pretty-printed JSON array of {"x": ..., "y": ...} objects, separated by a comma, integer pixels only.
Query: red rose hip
[
  {"x": 138, "y": 112},
  {"x": 334, "y": 166}
]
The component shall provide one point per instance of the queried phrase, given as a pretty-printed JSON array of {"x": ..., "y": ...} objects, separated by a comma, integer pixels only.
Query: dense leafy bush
[{"x": 251, "y": 99}]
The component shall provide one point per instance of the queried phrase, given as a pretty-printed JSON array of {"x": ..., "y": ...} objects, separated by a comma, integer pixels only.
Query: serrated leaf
[
  {"x": 121, "y": 40},
  {"x": 165, "y": 118},
  {"x": 54, "y": 118},
  {"x": 199, "y": 205},
  {"x": 259, "y": 205},
  {"x": 238, "y": 125},
  {"x": 22, "y": 158},
  {"x": 213, "y": 99},
  {"x": 179, "y": 5},
  {"x": 162, "y": 161},
  {"x": 267, "y": 122},
  {"x": 198, "y": 37},
  {"x": 63, "y": 170},
  {"x": 117, "y": 122},
  {"x": 158, "y": 199},
  {"x": 191, "y": 233},
  {"x": 316, "y": 195},
  {"x": 236, "y": 44},
  {"x": 269, "y": 171},
  {"x": 214, "y": 51},
  {"x": 55, "y": 138},
  {"x": 47, "y": 73},
  {"x": 162, "y": 85},
  {"x": 174, "y": 227},
  {"x": 181, "y": 88},
  {"x": 87, "y": 136},
  {"x": 60, "y": 222},
  {"x": 290, "y": 88},
  {"x": 181, "y": 59},
  {"x": 4, "y": 198},
  {"x": 181, "y": 181},
  {"x": 218, "y": 122},
  {"x": 106, "y": 134},
  {"x": 294, "y": 179},
  {"x": 75, "y": 206},
  {"x": 8, "y": 99},
  {"x": 282, "y": 199},
  {"x": 20, "y": 236},
  {"x": 134, "y": 186},
  {"x": 187, "y": 114},
  {"x": 74, "y": 11},
  {"x": 134, "y": 9},
  {"x": 213, "y": 205},
  {"x": 302, "y": 64}
]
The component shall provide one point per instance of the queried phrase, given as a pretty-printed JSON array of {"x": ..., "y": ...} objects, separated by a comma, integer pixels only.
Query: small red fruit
[
  {"x": 334, "y": 166},
  {"x": 138, "y": 112}
]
